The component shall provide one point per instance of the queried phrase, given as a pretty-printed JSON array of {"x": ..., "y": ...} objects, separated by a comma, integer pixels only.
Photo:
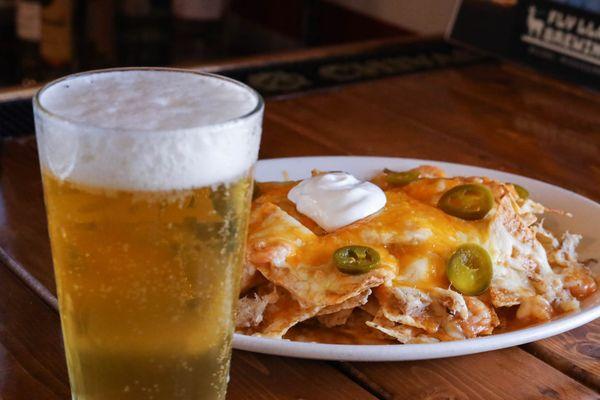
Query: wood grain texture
[
  {"x": 32, "y": 364},
  {"x": 576, "y": 353},
  {"x": 262, "y": 377},
  {"x": 490, "y": 115},
  {"x": 509, "y": 374},
  {"x": 23, "y": 233}
]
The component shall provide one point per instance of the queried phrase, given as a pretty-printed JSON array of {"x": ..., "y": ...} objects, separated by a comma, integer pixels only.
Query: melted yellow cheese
[{"x": 414, "y": 238}]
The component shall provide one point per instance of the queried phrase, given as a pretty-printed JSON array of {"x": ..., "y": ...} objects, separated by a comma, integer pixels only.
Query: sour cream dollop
[{"x": 336, "y": 199}]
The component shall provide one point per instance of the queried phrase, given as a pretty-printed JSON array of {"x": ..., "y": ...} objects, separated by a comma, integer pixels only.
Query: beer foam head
[{"x": 147, "y": 129}]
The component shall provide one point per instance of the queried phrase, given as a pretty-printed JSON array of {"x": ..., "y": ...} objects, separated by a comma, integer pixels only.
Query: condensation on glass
[{"x": 147, "y": 179}]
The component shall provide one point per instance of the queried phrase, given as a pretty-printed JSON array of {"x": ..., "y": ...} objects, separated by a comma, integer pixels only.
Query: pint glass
[{"x": 147, "y": 179}]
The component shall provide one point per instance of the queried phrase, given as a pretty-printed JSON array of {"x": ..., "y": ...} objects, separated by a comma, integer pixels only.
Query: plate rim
[{"x": 407, "y": 352}]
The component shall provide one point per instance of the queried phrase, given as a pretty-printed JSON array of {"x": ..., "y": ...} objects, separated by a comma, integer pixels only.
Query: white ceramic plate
[{"x": 586, "y": 218}]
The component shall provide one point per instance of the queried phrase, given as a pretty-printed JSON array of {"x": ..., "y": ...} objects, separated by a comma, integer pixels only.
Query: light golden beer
[
  {"x": 147, "y": 282},
  {"x": 147, "y": 250}
]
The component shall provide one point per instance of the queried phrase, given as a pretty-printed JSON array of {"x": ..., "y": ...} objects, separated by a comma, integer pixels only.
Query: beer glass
[{"x": 147, "y": 178}]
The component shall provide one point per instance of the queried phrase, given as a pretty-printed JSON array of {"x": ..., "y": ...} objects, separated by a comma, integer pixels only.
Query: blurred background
[{"x": 43, "y": 39}]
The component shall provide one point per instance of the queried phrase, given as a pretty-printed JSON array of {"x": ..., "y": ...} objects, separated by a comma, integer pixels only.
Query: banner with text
[{"x": 560, "y": 37}]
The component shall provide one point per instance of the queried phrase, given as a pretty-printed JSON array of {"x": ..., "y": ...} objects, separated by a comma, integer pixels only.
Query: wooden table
[{"x": 488, "y": 113}]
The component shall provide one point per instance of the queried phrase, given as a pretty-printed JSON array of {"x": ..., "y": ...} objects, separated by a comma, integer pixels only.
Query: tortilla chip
[
  {"x": 402, "y": 333},
  {"x": 338, "y": 314},
  {"x": 278, "y": 313},
  {"x": 291, "y": 256},
  {"x": 335, "y": 319},
  {"x": 353, "y": 331},
  {"x": 407, "y": 306},
  {"x": 353, "y": 302}
]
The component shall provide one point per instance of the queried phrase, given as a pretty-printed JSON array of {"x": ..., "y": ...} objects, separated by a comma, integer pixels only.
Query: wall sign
[{"x": 560, "y": 37}]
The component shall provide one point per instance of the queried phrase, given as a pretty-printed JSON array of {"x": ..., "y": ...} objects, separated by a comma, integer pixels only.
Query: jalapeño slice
[
  {"x": 401, "y": 178},
  {"x": 470, "y": 202},
  {"x": 470, "y": 269},
  {"x": 354, "y": 260}
]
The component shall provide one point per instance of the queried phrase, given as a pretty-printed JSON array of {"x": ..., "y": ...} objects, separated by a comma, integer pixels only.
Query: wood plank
[
  {"x": 23, "y": 231},
  {"x": 15, "y": 381},
  {"x": 502, "y": 374},
  {"x": 262, "y": 377},
  {"x": 576, "y": 353},
  {"x": 280, "y": 140},
  {"x": 525, "y": 94},
  {"x": 32, "y": 361},
  {"x": 345, "y": 120},
  {"x": 533, "y": 145}
]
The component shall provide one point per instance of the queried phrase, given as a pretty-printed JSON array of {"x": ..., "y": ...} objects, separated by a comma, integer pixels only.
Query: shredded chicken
[{"x": 534, "y": 308}]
